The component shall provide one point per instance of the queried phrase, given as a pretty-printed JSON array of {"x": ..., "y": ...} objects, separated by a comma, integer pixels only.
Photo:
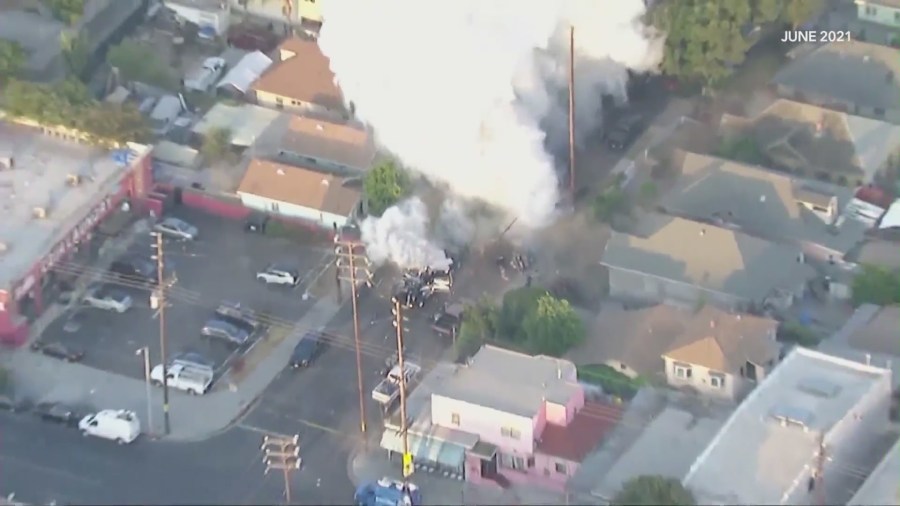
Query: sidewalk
[
  {"x": 41, "y": 378},
  {"x": 367, "y": 465}
]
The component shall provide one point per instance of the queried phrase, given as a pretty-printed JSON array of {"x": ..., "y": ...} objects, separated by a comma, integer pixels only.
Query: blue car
[{"x": 388, "y": 492}]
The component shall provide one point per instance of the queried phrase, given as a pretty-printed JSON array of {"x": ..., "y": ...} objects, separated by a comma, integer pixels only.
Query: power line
[
  {"x": 408, "y": 466},
  {"x": 282, "y": 454},
  {"x": 160, "y": 297},
  {"x": 347, "y": 250}
]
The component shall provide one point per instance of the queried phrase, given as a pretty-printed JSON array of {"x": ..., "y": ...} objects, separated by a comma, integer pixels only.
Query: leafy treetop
[
  {"x": 12, "y": 60},
  {"x": 385, "y": 185},
  {"x": 653, "y": 490}
]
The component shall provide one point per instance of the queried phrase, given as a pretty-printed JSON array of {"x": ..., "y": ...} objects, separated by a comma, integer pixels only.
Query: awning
[
  {"x": 426, "y": 449},
  {"x": 484, "y": 451}
]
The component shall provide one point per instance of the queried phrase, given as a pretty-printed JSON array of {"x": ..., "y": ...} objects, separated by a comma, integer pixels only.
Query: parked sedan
[
  {"x": 224, "y": 331},
  {"x": 107, "y": 298},
  {"x": 279, "y": 275},
  {"x": 177, "y": 229},
  {"x": 57, "y": 350},
  {"x": 57, "y": 413}
]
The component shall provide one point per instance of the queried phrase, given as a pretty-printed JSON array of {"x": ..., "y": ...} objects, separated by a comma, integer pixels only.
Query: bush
[
  {"x": 656, "y": 490},
  {"x": 794, "y": 332},
  {"x": 610, "y": 203},
  {"x": 744, "y": 149},
  {"x": 612, "y": 381}
]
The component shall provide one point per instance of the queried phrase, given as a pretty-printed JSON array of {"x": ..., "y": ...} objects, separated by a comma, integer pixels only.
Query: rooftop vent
[
  {"x": 325, "y": 182},
  {"x": 7, "y": 163},
  {"x": 73, "y": 180},
  {"x": 280, "y": 172},
  {"x": 319, "y": 127},
  {"x": 40, "y": 212},
  {"x": 819, "y": 388},
  {"x": 792, "y": 416}
]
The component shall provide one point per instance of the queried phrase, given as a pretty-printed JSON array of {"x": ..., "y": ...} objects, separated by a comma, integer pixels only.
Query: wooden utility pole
[
  {"x": 572, "y": 112},
  {"x": 282, "y": 454},
  {"x": 161, "y": 311},
  {"x": 347, "y": 250},
  {"x": 407, "y": 457}
]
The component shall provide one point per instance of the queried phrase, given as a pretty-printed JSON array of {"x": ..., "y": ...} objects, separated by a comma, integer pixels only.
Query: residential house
[
  {"x": 882, "y": 12},
  {"x": 632, "y": 341},
  {"x": 247, "y": 123},
  {"x": 767, "y": 452},
  {"x": 511, "y": 417},
  {"x": 299, "y": 193},
  {"x": 302, "y": 12},
  {"x": 300, "y": 80},
  {"x": 689, "y": 263},
  {"x": 344, "y": 147},
  {"x": 869, "y": 335},
  {"x": 820, "y": 143},
  {"x": 817, "y": 217},
  {"x": 240, "y": 77},
  {"x": 32, "y": 26},
  {"x": 881, "y": 485},
  {"x": 854, "y": 77},
  {"x": 722, "y": 355}
]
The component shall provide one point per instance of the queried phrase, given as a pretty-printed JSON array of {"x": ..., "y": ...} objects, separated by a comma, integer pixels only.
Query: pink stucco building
[{"x": 503, "y": 417}]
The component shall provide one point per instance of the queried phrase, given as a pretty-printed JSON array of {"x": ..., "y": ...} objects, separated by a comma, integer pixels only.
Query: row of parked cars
[{"x": 119, "y": 425}]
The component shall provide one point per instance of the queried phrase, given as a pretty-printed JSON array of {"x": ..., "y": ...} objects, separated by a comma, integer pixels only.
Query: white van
[
  {"x": 180, "y": 376},
  {"x": 119, "y": 425}
]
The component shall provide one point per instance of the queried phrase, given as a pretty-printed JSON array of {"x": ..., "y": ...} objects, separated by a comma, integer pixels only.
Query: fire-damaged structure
[{"x": 418, "y": 285}]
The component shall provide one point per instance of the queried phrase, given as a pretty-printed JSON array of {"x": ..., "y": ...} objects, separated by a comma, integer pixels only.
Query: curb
[{"x": 237, "y": 419}]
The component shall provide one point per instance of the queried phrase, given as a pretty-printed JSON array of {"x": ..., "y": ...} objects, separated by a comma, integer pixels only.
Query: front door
[{"x": 489, "y": 467}]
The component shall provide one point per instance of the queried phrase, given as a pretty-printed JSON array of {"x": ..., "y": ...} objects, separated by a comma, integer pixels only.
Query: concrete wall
[
  {"x": 881, "y": 14},
  {"x": 486, "y": 423},
  {"x": 293, "y": 211},
  {"x": 217, "y": 204}
]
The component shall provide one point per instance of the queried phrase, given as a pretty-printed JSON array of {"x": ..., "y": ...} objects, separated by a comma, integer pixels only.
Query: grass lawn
[{"x": 612, "y": 381}]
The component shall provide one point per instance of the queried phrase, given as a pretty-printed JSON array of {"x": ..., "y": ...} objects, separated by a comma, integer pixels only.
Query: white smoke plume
[
  {"x": 455, "y": 228},
  {"x": 460, "y": 90},
  {"x": 401, "y": 236}
]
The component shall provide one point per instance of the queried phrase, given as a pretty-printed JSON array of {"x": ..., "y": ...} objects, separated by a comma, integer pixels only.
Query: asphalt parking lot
[{"x": 219, "y": 266}]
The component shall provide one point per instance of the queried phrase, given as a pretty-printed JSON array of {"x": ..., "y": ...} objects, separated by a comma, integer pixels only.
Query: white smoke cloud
[
  {"x": 455, "y": 227},
  {"x": 401, "y": 236},
  {"x": 463, "y": 91}
]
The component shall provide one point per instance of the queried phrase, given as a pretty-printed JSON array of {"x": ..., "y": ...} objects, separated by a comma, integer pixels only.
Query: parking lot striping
[{"x": 51, "y": 470}]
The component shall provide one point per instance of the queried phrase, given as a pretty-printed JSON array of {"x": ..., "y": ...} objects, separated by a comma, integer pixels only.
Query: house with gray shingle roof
[
  {"x": 819, "y": 143},
  {"x": 856, "y": 77},
  {"x": 687, "y": 263},
  {"x": 810, "y": 214}
]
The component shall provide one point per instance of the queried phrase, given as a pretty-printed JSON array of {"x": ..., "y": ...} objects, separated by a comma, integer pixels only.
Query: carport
[{"x": 246, "y": 122}]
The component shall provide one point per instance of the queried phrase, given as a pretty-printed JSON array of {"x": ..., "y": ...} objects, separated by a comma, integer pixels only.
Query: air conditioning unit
[
  {"x": 73, "y": 180},
  {"x": 40, "y": 213}
]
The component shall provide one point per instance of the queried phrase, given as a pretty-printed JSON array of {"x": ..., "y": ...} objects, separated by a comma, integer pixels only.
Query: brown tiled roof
[
  {"x": 724, "y": 342},
  {"x": 305, "y": 76},
  {"x": 578, "y": 439},
  {"x": 345, "y": 143},
  {"x": 295, "y": 185}
]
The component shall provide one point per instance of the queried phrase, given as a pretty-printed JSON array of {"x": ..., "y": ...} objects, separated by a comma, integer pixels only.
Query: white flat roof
[
  {"x": 247, "y": 122},
  {"x": 756, "y": 460},
  {"x": 883, "y": 485},
  {"x": 42, "y": 164}
]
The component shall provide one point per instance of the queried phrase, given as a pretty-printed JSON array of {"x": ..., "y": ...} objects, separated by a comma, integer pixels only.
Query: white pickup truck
[
  {"x": 193, "y": 380},
  {"x": 386, "y": 392}
]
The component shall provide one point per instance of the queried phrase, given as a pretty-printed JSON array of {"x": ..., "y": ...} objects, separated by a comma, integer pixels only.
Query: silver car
[
  {"x": 108, "y": 299},
  {"x": 176, "y": 228}
]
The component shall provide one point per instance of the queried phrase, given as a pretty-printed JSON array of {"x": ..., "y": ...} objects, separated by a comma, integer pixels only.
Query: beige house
[
  {"x": 300, "y": 80},
  {"x": 722, "y": 355}
]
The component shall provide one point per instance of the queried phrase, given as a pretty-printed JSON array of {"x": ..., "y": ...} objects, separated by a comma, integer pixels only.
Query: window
[
  {"x": 454, "y": 419},
  {"x": 717, "y": 380},
  {"x": 512, "y": 462},
  {"x": 518, "y": 463},
  {"x": 510, "y": 433},
  {"x": 274, "y": 207},
  {"x": 279, "y": 102},
  {"x": 683, "y": 371},
  {"x": 871, "y": 11},
  {"x": 560, "y": 468}
]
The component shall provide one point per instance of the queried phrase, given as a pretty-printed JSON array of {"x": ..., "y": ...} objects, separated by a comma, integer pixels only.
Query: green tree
[
  {"x": 517, "y": 305},
  {"x": 552, "y": 326},
  {"x": 876, "y": 285},
  {"x": 67, "y": 11},
  {"x": 767, "y": 11},
  {"x": 608, "y": 204},
  {"x": 12, "y": 60},
  {"x": 478, "y": 326},
  {"x": 76, "y": 53},
  {"x": 139, "y": 62},
  {"x": 385, "y": 185},
  {"x": 703, "y": 38},
  {"x": 115, "y": 123},
  {"x": 797, "y": 12},
  {"x": 216, "y": 144},
  {"x": 653, "y": 490}
]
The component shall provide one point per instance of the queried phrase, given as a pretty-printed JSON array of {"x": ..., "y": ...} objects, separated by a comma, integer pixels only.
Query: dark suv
[
  {"x": 624, "y": 132},
  {"x": 307, "y": 350},
  {"x": 224, "y": 331},
  {"x": 135, "y": 268}
]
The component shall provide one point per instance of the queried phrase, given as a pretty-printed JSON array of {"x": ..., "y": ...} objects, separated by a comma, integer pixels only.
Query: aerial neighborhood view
[{"x": 408, "y": 253}]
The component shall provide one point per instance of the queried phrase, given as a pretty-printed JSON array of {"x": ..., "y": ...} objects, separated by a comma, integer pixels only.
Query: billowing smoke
[
  {"x": 455, "y": 228},
  {"x": 464, "y": 91},
  {"x": 401, "y": 235}
]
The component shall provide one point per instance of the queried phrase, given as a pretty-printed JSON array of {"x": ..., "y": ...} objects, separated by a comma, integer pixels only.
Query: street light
[{"x": 145, "y": 351}]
